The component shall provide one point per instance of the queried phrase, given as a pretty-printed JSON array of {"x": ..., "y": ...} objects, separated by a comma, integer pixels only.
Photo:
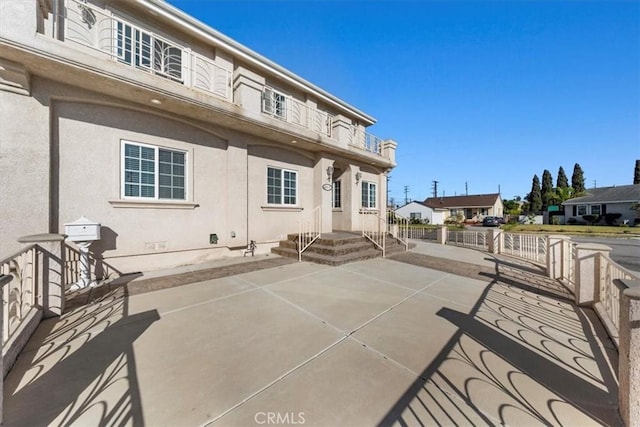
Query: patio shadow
[{"x": 80, "y": 365}]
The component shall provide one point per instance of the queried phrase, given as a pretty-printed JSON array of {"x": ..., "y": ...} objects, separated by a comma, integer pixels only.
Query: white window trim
[
  {"x": 369, "y": 207},
  {"x": 156, "y": 179},
  {"x": 153, "y": 36},
  {"x": 282, "y": 205},
  {"x": 333, "y": 195},
  {"x": 273, "y": 111}
]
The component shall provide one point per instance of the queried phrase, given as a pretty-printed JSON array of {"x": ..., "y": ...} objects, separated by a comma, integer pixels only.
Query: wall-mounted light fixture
[
  {"x": 330, "y": 173},
  {"x": 358, "y": 177}
]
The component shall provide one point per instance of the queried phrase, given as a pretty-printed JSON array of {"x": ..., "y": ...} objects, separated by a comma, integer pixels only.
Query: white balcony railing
[
  {"x": 142, "y": 49},
  {"x": 123, "y": 41},
  {"x": 610, "y": 291},
  {"x": 290, "y": 110},
  {"x": 526, "y": 246},
  {"x": 19, "y": 296},
  {"x": 474, "y": 239},
  {"x": 365, "y": 141}
]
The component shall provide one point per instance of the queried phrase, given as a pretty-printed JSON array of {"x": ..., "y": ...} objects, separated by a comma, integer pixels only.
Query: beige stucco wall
[
  {"x": 24, "y": 162},
  {"x": 60, "y": 150}
]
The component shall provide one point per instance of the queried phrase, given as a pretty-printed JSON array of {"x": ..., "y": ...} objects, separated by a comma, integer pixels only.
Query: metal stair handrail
[
  {"x": 374, "y": 228},
  {"x": 309, "y": 231}
]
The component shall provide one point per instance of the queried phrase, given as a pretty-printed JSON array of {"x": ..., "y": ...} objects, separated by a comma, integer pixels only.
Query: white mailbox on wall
[{"x": 82, "y": 230}]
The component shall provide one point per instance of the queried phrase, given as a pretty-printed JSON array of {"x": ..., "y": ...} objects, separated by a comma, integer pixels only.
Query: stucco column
[
  {"x": 495, "y": 241},
  {"x": 442, "y": 234},
  {"x": 555, "y": 256},
  {"x": 588, "y": 272},
  {"x": 629, "y": 354},
  {"x": 51, "y": 268},
  {"x": 389, "y": 147},
  {"x": 322, "y": 191},
  {"x": 341, "y": 130},
  {"x": 568, "y": 261},
  {"x": 247, "y": 91}
]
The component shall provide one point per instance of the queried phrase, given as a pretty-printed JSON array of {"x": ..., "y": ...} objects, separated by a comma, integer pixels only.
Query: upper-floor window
[
  {"x": 368, "y": 195},
  {"x": 337, "y": 196},
  {"x": 153, "y": 172},
  {"x": 281, "y": 186},
  {"x": 274, "y": 103},
  {"x": 142, "y": 49}
]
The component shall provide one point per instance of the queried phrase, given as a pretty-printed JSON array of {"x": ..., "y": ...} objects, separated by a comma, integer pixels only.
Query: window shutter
[
  {"x": 575, "y": 210},
  {"x": 267, "y": 100}
]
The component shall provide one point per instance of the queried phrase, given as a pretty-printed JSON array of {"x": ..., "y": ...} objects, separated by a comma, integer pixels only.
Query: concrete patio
[{"x": 439, "y": 336}]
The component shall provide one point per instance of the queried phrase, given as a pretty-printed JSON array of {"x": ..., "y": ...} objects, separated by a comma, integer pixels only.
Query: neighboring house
[
  {"x": 621, "y": 200},
  {"x": 418, "y": 210},
  {"x": 184, "y": 144},
  {"x": 472, "y": 208}
]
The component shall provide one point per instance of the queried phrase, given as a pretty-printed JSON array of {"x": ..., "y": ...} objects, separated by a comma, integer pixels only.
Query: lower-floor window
[
  {"x": 153, "y": 172},
  {"x": 337, "y": 197},
  {"x": 368, "y": 195},
  {"x": 582, "y": 210},
  {"x": 595, "y": 209},
  {"x": 281, "y": 186},
  {"x": 415, "y": 215}
]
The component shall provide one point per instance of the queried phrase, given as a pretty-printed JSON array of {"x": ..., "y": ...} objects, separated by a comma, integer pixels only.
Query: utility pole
[
  {"x": 434, "y": 189},
  {"x": 466, "y": 188},
  {"x": 406, "y": 194}
]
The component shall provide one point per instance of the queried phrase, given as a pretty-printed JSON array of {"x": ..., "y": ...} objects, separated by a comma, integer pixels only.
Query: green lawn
[{"x": 573, "y": 229}]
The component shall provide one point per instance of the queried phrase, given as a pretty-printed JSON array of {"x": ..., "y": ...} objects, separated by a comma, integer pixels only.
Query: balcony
[
  {"x": 142, "y": 49},
  {"x": 116, "y": 38},
  {"x": 290, "y": 110}
]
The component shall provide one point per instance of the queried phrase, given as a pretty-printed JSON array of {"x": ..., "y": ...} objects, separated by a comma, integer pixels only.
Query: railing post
[
  {"x": 495, "y": 243},
  {"x": 555, "y": 256},
  {"x": 442, "y": 235},
  {"x": 4, "y": 279},
  {"x": 51, "y": 283},
  {"x": 629, "y": 354},
  {"x": 588, "y": 275}
]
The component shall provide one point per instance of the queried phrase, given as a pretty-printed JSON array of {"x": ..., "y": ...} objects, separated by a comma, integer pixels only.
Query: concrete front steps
[{"x": 337, "y": 248}]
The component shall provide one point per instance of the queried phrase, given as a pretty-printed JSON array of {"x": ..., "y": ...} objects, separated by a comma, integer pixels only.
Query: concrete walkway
[{"x": 378, "y": 342}]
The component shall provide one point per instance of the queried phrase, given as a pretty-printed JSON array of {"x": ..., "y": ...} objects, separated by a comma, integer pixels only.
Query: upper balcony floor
[{"x": 162, "y": 48}]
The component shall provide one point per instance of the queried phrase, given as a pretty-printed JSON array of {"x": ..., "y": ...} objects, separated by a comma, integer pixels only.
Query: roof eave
[{"x": 199, "y": 28}]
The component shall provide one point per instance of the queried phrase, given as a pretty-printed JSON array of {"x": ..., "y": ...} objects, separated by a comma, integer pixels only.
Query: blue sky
[{"x": 486, "y": 93}]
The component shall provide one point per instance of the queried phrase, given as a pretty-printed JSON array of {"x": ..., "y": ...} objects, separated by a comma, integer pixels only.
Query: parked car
[{"x": 492, "y": 221}]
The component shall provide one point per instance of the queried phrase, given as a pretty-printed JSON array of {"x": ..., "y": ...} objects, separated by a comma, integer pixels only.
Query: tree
[
  {"x": 577, "y": 180},
  {"x": 535, "y": 196},
  {"x": 563, "y": 194},
  {"x": 547, "y": 192},
  {"x": 512, "y": 207},
  {"x": 636, "y": 173},
  {"x": 562, "y": 181}
]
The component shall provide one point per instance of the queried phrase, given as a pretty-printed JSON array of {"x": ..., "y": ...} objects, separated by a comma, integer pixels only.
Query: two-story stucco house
[{"x": 182, "y": 143}]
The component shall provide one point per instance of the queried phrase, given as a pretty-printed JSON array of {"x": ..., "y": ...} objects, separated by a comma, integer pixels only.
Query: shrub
[
  {"x": 555, "y": 220},
  {"x": 591, "y": 219},
  {"x": 611, "y": 218}
]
